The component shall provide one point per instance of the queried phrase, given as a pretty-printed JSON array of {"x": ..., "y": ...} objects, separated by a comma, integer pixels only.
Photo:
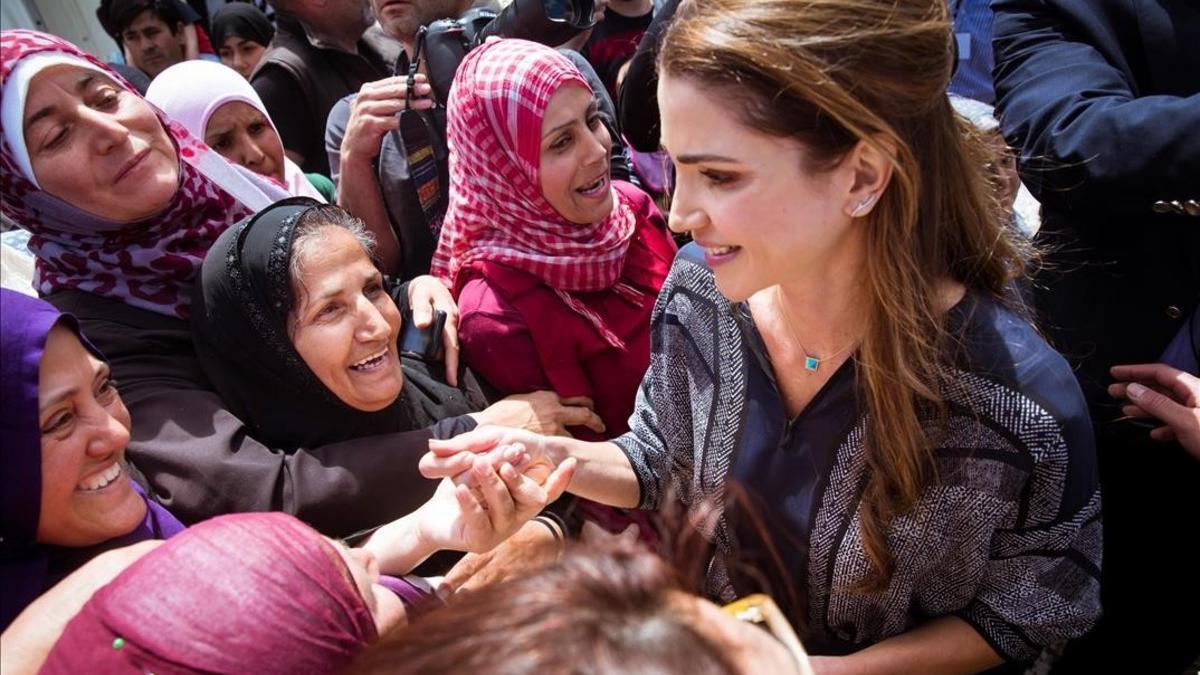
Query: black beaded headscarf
[{"x": 239, "y": 322}]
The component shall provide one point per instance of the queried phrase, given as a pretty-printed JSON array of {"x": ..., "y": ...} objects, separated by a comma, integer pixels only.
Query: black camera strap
[{"x": 427, "y": 176}]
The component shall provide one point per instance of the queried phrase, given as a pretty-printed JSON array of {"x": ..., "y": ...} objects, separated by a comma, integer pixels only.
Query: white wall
[{"x": 74, "y": 20}]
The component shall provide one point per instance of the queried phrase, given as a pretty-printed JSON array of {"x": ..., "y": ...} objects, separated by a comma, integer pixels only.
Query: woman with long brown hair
[{"x": 841, "y": 341}]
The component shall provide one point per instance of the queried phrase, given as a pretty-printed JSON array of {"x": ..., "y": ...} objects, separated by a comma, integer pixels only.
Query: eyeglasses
[{"x": 761, "y": 610}]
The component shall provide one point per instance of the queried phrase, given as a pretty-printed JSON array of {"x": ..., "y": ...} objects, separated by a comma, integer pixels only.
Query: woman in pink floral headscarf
[{"x": 132, "y": 224}]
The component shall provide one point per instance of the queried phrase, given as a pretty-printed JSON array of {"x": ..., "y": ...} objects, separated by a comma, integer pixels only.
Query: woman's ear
[{"x": 870, "y": 164}]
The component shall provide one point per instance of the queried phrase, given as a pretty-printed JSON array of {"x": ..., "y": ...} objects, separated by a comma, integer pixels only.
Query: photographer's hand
[{"x": 374, "y": 113}]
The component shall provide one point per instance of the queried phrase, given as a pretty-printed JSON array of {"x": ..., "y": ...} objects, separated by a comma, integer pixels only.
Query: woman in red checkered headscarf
[{"x": 556, "y": 266}]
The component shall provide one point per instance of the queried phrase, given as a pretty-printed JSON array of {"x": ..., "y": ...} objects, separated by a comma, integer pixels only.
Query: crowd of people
[{"x": 356, "y": 342}]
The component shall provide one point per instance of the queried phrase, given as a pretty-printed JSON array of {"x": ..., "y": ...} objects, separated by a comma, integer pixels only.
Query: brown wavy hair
[
  {"x": 831, "y": 74},
  {"x": 598, "y": 611}
]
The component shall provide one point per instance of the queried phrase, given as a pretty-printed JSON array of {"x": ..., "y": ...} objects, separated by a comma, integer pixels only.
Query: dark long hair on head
[{"x": 830, "y": 74}]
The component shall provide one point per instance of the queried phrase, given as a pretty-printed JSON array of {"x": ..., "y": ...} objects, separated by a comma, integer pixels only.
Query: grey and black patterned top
[{"x": 1007, "y": 537}]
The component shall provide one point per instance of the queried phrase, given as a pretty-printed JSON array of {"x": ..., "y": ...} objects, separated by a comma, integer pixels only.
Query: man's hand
[
  {"x": 1166, "y": 394},
  {"x": 374, "y": 113},
  {"x": 542, "y": 412},
  {"x": 426, "y": 294},
  {"x": 531, "y": 547}
]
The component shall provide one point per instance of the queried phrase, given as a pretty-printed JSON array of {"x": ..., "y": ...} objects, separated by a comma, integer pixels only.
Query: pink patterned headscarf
[
  {"x": 150, "y": 264},
  {"x": 497, "y": 210},
  {"x": 246, "y": 593}
]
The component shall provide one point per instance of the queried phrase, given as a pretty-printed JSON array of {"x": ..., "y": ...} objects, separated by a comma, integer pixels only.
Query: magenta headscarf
[
  {"x": 249, "y": 593},
  {"x": 150, "y": 264},
  {"x": 497, "y": 210}
]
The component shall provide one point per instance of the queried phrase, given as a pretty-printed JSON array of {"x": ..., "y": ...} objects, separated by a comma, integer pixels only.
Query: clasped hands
[{"x": 482, "y": 500}]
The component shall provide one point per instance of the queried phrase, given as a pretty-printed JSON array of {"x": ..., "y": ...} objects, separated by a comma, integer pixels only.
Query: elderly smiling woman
[
  {"x": 68, "y": 494},
  {"x": 123, "y": 206}
]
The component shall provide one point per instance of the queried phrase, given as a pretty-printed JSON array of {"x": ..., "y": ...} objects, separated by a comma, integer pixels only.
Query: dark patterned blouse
[{"x": 1007, "y": 536}]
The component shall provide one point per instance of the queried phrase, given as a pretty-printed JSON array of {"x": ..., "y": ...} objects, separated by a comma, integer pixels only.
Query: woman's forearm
[
  {"x": 398, "y": 547},
  {"x": 944, "y": 645},
  {"x": 603, "y": 474}
]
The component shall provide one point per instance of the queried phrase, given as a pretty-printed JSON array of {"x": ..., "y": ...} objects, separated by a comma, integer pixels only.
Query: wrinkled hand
[
  {"x": 1166, "y": 394},
  {"x": 531, "y": 547},
  {"x": 374, "y": 112},
  {"x": 462, "y": 519},
  {"x": 425, "y": 294},
  {"x": 542, "y": 412}
]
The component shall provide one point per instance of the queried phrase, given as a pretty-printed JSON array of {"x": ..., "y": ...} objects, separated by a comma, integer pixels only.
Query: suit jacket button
[
  {"x": 1161, "y": 206},
  {"x": 1173, "y": 312},
  {"x": 1192, "y": 207}
]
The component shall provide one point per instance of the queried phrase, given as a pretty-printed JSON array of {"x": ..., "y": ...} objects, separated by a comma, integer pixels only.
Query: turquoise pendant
[{"x": 811, "y": 364}]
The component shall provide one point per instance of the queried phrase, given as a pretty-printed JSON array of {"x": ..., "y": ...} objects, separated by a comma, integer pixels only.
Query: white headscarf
[{"x": 191, "y": 91}]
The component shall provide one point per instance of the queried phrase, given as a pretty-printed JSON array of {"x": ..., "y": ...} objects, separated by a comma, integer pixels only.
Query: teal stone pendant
[{"x": 811, "y": 363}]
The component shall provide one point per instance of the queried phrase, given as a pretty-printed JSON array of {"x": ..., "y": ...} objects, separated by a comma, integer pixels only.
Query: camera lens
[{"x": 557, "y": 10}]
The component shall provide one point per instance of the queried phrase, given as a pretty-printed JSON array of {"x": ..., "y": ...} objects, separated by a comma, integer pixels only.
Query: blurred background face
[
  {"x": 152, "y": 45},
  {"x": 241, "y": 54},
  {"x": 574, "y": 170},
  {"x": 344, "y": 324},
  {"x": 242, "y": 134},
  {"x": 87, "y": 497},
  {"x": 402, "y": 18},
  {"x": 97, "y": 146}
]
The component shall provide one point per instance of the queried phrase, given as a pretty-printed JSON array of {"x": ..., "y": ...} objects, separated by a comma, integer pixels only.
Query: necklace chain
[{"x": 811, "y": 362}]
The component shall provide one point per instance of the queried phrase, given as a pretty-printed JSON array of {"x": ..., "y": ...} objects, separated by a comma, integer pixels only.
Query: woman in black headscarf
[
  {"x": 241, "y": 34},
  {"x": 304, "y": 348}
]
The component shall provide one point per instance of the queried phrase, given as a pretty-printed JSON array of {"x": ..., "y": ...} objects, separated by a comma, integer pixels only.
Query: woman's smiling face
[
  {"x": 98, "y": 146},
  {"x": 87, "y": 497},
  {"x": 574, "y": 169},
  {"x": 344, "y": 324}
]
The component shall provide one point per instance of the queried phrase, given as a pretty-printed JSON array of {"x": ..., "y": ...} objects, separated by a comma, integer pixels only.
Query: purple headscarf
[{"x": 26, "y": 567}]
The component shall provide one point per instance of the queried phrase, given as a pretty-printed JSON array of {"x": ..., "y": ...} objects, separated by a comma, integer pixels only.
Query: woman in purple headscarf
[{"x": 66, "y": 494}]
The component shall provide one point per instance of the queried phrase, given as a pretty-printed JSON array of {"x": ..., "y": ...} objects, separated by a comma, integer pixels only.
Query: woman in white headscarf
[{"x": 215, "y": 103}]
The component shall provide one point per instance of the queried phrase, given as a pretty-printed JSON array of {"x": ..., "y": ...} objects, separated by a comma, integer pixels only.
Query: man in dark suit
[{"x": 1102, "y": 100}]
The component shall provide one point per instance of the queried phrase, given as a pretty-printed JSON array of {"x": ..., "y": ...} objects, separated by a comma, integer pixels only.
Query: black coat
[{"x": 1102, "y": 100}]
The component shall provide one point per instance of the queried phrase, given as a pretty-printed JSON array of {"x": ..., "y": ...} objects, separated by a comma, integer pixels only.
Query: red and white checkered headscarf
[{"x": 497, "y": 210}]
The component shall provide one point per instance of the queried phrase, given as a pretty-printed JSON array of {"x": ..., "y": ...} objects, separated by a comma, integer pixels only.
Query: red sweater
[{"x": 519, "y": 336}]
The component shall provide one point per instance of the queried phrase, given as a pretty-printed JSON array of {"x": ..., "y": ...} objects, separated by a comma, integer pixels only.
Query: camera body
[
  {"x": 423, "y": 343},
  {"x": 550, "y": 22}
]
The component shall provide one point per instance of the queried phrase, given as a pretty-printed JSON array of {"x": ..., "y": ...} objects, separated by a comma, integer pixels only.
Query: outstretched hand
[
  {"x": 454, "y": 457},
  {"x": 1166, "y": 394}
]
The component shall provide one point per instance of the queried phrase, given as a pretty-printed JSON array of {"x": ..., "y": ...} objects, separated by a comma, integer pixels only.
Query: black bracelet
[{"x": 550, "y": 525}]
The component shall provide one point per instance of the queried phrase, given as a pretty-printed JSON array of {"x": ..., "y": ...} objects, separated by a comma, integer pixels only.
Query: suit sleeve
[{"x": 1068, "y": 103}]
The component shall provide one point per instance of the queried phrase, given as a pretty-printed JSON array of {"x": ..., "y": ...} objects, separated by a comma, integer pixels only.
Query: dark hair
[
  {"x": 597, "y": 611},
  {"x": 122, "y": 13}
]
